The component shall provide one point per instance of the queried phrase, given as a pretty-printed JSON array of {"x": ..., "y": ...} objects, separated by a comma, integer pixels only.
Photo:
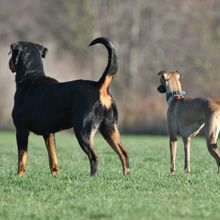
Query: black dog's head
[{"x": 26, "y": 57}]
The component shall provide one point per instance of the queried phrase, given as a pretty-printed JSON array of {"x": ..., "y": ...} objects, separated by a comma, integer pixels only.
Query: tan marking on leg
[
  {"x": 105, "y": 96},
  {"x": 115, "y": 142},
  {"x": 51, "y": 148},
  {"x": 91, "y": 137},
  {"x": 91, "y": 141},
  {"x": 22, "y": 160}
]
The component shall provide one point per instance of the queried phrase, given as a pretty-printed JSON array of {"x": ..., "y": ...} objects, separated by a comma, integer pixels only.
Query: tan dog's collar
[{"x": 177, "y": 95}]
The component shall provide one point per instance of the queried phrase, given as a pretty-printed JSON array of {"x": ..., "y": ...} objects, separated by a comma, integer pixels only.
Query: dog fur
[
  {"x": 187, "y": 116},
  {"x": 45, "y": 106}
]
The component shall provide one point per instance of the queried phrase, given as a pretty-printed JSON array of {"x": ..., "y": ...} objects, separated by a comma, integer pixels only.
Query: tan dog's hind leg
[
  {"x": 173, "y": 147},
  {"x": 186, "y": 142},
  {"x": 52, "y": 155},
  {"x": 212, "y": 131}
]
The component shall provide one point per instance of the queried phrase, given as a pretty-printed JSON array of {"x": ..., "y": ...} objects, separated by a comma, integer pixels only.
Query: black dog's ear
[
  {"x": 43, "y": 50},
  {"x": 15, "y": 50},
  {"x": 15, "y": 46}
]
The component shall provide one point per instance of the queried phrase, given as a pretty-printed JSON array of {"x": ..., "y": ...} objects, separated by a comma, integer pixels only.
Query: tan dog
[{"x": 187, "y": 116}]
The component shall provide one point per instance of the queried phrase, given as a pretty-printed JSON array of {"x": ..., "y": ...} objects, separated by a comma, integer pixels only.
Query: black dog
[{"x": 44, "y": 106}]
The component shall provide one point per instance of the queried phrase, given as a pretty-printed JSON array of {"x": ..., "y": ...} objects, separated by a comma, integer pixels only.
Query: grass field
[{"x": 149, "y": 193}]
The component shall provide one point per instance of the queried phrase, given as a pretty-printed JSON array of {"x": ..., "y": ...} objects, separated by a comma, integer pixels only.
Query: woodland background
[{"x": 150, "y": 36}]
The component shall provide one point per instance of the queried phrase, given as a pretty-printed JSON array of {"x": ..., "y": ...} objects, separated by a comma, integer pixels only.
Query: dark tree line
[{"x": 149, "y": 35}]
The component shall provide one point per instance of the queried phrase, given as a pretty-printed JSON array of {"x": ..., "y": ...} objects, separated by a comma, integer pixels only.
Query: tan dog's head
[{"x": 169, "y": 81}]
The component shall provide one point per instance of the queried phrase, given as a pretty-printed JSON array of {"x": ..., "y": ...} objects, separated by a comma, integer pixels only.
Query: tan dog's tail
[{"x": 112, "y": 66}]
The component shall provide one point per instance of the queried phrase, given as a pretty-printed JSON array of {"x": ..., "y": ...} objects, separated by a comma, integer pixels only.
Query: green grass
[{"x": 149, "y": 193}]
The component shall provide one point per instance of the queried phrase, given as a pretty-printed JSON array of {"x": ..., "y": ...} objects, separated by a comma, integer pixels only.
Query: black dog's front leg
[
  {"x": 22, "y": 144},
  {"x": 52, "y": 154}
]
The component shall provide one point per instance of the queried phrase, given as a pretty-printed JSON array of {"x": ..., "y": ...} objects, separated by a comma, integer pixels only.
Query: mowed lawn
[{"x": 151, "y": 192}]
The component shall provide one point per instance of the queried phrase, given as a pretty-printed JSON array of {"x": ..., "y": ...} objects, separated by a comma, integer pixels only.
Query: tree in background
[{"x": 149, "y": 35}]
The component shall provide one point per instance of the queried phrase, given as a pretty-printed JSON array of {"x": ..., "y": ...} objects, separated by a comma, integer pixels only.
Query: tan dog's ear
[
  {"x": 164, "y": 74},
  {"x": 161, "y": 72},
  {"x": 180, "y": 74}
]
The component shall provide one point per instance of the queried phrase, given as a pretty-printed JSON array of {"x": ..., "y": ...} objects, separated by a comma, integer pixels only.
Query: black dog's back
[
  {"x": 56, "y": 106},
  {"x": 44, "y": 105}
]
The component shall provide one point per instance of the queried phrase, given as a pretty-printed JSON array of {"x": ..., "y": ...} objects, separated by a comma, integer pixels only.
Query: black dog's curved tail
[{"x": 112, "y": 66}]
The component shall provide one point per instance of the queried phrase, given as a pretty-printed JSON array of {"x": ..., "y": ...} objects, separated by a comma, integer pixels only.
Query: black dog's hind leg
[
  {"x": 111, "y": 134},
  {"x": 52, "y": 155},
  {"x": 22, "y": 144},
  {"x": 85, "y": 139}
]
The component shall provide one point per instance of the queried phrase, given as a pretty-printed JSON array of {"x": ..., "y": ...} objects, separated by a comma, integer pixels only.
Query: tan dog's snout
[{"x": 161, "y": 88}]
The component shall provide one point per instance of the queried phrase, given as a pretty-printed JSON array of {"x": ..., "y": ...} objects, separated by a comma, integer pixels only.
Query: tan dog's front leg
[
  {"x": 173, "y": 146},
  {"x": 186, "y": 142}
]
